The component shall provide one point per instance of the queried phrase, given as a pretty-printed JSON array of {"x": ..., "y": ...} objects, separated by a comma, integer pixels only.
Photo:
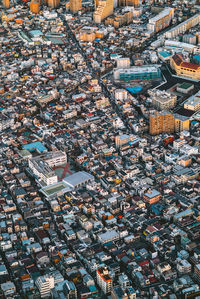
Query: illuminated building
[
  {"x": 181, "y": 123},
  {"x": 103, "y": 10},
  {"x": 185, "y": 69},
  {"x": 162, "y": 20},
  {"x": 75, "y": 5},
  {"x": 162, "y": 122}
]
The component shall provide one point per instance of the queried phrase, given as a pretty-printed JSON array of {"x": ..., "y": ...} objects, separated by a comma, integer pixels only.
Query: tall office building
[
  {"x": 104, "y": 8},
  {"x": 75, "y": 5},
  {"x": 161, "y": 123},
  {"x": 6, "y": 3},
  {"x": 53, "y": 3}
]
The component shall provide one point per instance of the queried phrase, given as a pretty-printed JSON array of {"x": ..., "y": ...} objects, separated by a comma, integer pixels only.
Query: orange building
[
  {"x": 152, "y": 196},
  {"x": 75, "y": 5},
  {"x": 6, "y": 3},
  {"x": 104, "y": 8},
  {"x": 134, "y": 3},
  {"x": 53, "y": 3},
  {"x": 35, "y": 6},
  {"x": 162, "y": 122}
]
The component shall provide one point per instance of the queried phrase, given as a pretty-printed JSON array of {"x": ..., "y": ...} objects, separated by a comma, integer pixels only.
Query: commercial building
[
  {"x": 75, "y": 5},
  {"x": 137, "y": 73},
  {"x": 45, "y": 284},
  {"x": 78, "y": 179},
  {"x": 185, "y": 69},
  {"x": 162, "y": 20},
  {"x": 104, "y": 8},
  {"x": 104, "y": 280},
  {"x": 183, "y": 27},
  {"x": 193, "y": 102},
  {"x": 162, "y": 122},
  {"x": 162, "y": 100},
  {"x": 152, "y": 196}
]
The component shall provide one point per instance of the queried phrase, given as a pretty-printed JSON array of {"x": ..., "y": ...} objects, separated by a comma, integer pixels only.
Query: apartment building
[
  {"x": 75, "y": 5},
  {"x": 104, "y": 8},
  {"x": 162, "y": 122},
  {"x": 162, "y": 20},
  {"x": 45, "y": 284},
  {"x": 104, "y": 280}
]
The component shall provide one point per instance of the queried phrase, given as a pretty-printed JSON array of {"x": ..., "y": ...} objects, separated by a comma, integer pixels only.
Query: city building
[
  {"x": 162, "y": 122},
  {"x": 70, "y": 290},
  {"x": 162, "y": 100},
  {"x": 6, "y": 3},
  {"x": 53, "y": 3},
  {"x": 123, "y": 63},
  {"x": 185, "y": 69},
  {"x": 75, "y": 5},
  {"x": 104, "y": 280},
  {"x": 45, "y": 284},
  {"x": 137, "y": 73},
  {"x": 181, "y": 123},
  {"x": 197, "y": 271},
  {"x": 152, "y": 196},
  {"x": 193, "y": 102},
  {"x": 104, "y": 8},
  {"x": 35, "y": 6},
  {"x": 183, "y": 27},
  {"x": 134, "y": 3},
  {"x": 162, "y": 20},
  {"x": 120, "y": 19}
]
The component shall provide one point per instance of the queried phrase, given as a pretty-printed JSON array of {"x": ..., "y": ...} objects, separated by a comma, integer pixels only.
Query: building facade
[
  {"x": 185, "y": 69},
  {"x": 137, "y": 73},
  {"x": 104, "y": 280},
  {"x": 162, "y": 20},
  {"x": 103, "y": 10},
  {"x": 161, "y": 123},
  {"x": 75, "y": 5}
]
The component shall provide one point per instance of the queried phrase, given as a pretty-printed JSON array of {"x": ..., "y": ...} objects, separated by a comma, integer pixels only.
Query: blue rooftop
[
  {"x": 134, "y": 89},
  {"x": 35, "y": 146},
  {"x": 164, "y": 54}
]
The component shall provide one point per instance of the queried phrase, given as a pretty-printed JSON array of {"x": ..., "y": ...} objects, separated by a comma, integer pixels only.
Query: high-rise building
[
  {"x": 53, "y": 3},
  {"x": 162, "y": 20},
  {"x": 161, "y": 123},
  {"x": 75, "y": 5},
  {"x": 104, "y": 8},
  {"x": 6, "y": 3},
  {"x": 35, "y": 6},
  {"x": 104, "y": 280},
  {"x": 182, "y": 123}
]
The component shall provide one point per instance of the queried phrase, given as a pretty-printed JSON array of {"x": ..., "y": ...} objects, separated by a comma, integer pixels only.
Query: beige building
[
  {"x": 181, "y": 123},
  {"x": 104, "y": 8},
  {"x": 193, "y": 102},
  {"x": 185, "y": 69},
  {"x": 162, "y": 122},
  {"x": 162, "y": 100},
  {"x": 75, "y": 5},
  {"x": 134, "y": 3},
  {"x": 53, "y": 3},
  {"x": 120, "y": 19}
]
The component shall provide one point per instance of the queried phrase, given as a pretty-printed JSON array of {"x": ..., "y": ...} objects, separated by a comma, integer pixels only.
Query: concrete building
[
  {"x": 120, "y": 19},
  {"x": 104, "y": 8},
  {"x": 197, "y": 271},
  {"x": 6, "y": 3},
  {"x": 134, "y": 3},
  {"x": 35, "y": 6},
  {"x": 162, "y": 20},
  {"x": 162, "y": 122},
  {"x": 75, "y": 5},
  {"x": 183, "y": 27},
  {"x": 152, "y": 196},
  {"x": 45, "y": 284},
  {"x": 162, "y": 100},
  {"x": 185, "y": 69},
  {"x": 193, "y": 102},
  {"x": 104, "y": 280},
  {"x": 53, "y": 3},
  {"x": 181, "y": 123},
  {"x": 137, "y": 73},
  {"x": 123, "y": 63}
]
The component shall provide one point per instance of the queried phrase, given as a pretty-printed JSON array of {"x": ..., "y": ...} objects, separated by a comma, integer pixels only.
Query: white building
[
  {"x": 123, "y": 63},
  {"x": 45, "y": 284},
  {"x": 104, "y": 280}
]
